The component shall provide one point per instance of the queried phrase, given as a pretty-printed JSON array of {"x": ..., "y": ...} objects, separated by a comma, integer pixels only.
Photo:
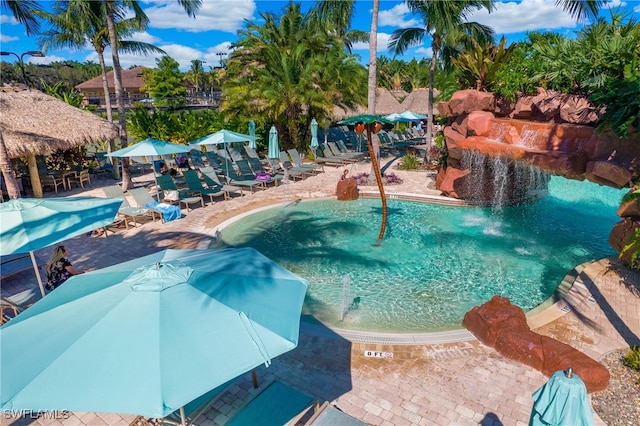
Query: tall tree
[
  {"x": 196, "y": 74},
  {"x": 445, "y": 22},
  {"x": 164, "y": 83},
  {"x": 114, "y": 10}
]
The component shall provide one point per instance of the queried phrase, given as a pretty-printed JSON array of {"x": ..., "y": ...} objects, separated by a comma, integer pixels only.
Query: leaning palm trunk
[
  {"x": 429, "y": 132},
  {"x": 117, "y": 83},
  {"x": 374, "y": 146},
  {"x": 7, "y": 171},
  {"x": 376, "y": 171}
]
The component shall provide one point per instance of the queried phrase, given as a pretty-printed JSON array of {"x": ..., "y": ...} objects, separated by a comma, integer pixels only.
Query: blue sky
[{"x": 214, "y": 29}]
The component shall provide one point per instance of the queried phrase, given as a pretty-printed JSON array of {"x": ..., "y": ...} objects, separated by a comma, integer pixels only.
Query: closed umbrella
[
  {"x": 314, "y": 135},
  {"x": 29, "y": 224},
  {"x": 562, "y": 401},
  {"x": 274, "y": 149},
  {"x": 252, "y": 133},
  {"x": 150, "y": 335}
]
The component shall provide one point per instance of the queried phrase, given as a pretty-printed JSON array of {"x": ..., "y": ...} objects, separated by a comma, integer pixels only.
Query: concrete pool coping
[{"x": 571, "y": 290}]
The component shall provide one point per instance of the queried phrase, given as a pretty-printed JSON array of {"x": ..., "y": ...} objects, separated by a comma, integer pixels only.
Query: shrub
[
  {"x": 391, "y": 179},
  {"x": 362, "y": 178},
  {"x": 632, "y": 358},
  {"x": 409, "y": 162}
]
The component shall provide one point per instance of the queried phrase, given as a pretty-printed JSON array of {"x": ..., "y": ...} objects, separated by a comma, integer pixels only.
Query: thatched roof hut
[
  {"x": 418, "y": 101},
  {"x": 34, "y": 123},
  {"x": 386, "y": 103},
  {"x": 340, "y": 113}
]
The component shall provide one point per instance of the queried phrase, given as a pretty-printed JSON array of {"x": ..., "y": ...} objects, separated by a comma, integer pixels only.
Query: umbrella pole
[
  {"x": 35, "y": 269},
  {"x": 183, "y": 420}
]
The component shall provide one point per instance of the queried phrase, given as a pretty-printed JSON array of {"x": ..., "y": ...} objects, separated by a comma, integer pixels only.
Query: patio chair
[
  {"x": 172, "y": 194},
  {"x": 196, "y": 158},
  {"x": 276, "y": 404},
  {"x": 213, "y": 159},
  {"x": 329, "y": 158},
  {"x": 195, "y": 186},
  {"x": 126, "y": 211},
  {"x": 165, "y": 212},
  {"x": 236, "y": 152},
  {"x": 79, "y": 179},
  {"x": 257, "y": 168},
  {"x": 51, "y": 181},
  {"x": 296, "y": 159},
  {"x": 332, "y": 148},
  {"x": 343, "y": 148},
  {"x": 211, "y": 180}
]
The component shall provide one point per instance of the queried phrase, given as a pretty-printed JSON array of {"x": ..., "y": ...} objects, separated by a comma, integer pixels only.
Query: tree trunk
[
  {"x": 374, "y": 145},
  {"x": 13, "y": 190},
  {"x": 36, "y": 184},
  {"x": 111, "y": 145},
  {"x": 429, "y": 132},
  {"x": 117, "y": 83}
]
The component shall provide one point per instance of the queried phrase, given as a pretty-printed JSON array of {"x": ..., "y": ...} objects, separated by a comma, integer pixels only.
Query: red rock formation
[
  {"x": 503, "y": 326},
  {"x": 347, "y": 189}
]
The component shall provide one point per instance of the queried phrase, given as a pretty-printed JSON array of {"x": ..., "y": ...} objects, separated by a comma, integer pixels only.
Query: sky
[{"x": 209, "y": 35}]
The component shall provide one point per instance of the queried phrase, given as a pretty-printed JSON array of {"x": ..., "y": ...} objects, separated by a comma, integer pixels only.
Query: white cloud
[
  {"x": 423, "y": 52},
  {"x": 7, "y": 39},
  {"x": 145, "y": 37},
  {"x": 220, "y": 15},
  {"x": 382, "y": 41},
  {"x": 528, "y": 15},
  {"x": 396, "y": 17},
  {"x": 44, "y": 60},
  {"x": 8, "y": 19}
]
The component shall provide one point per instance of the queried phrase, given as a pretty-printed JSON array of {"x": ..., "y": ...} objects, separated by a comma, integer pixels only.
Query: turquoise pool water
[{"x": 435, "y": 262}]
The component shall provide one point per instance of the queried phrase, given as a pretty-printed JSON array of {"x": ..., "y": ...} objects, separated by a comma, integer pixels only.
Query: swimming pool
[{"x": 435, "y": 262}]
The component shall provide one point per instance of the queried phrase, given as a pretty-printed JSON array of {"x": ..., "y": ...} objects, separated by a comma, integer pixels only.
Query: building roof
[{"x": 131, "y": 79}]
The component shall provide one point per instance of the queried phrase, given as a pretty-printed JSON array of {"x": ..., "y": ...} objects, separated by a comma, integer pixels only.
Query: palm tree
[
  {"x": 114, "y": 10},
  {"x": 445, "y": 23},
  {"x": 196, "y": 74},
  {"x": 25, "y": 12}
]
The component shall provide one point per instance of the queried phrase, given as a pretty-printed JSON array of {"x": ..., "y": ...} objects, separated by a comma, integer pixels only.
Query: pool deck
[{"x": 436, "y": 379}]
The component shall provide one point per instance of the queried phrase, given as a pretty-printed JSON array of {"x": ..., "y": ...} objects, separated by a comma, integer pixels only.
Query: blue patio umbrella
[
  {"x": 274, "y": 149},
  {"x": 29, "y": 224},
  {"x": 314, "y": 134},
  {"x": 252, "y": 133},
  {"x": 150, "y": 335},
  {"x": 561, "y": 401}
]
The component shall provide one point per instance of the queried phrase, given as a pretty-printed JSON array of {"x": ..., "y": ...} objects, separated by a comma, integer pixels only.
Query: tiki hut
[
  {"x": 418, "y": 101},
  {"x": 340, "y": 113},
  {"x": 34, "y": 123},
  {"x": 386, "y": 103}
]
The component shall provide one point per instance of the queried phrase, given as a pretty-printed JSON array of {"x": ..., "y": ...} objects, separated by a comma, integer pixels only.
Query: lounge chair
[
  {"x": 172, "y": 194},
  {"x": 195, "y": 186},
  {"x": 329, "y": 415},
  {"x": 165, "y": 212},
  {"x": 211, "y": 179},
  {"x": 343, "y": 148},
  {"x": 213, "y": 159},
  {"x": 11, "y": 306},
  {"x": 257, "y": 168},
  {"x": 331, "y": 149},
  {"x": 288, "y": 165},
  {"x": 276, "y": 404},
  {"x": 233, "y": 178},
  {"x": 328, "y": 158},
  {"x": 275, "y": 167},
  {"x": 296, "y": 159},
  {"x": 196, "y": 158},
  {"x": 126, "y": 210},
  {"x": 236, "y": 151},
  {"x": 248, "y": 173}
]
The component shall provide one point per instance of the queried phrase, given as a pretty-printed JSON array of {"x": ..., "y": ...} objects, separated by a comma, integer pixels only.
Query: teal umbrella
[
  {"x": 274, "y": 149},
  {"x": 561, "y": 401},
  {"x": 29, "y": 224},
  {"x": 314, "y": 134},
  {"x": 150, "y": 335},
  {"x": 222, "y": 137},
  {"x": 252, "y": 133},
  {"x": 150, "y": 148}
]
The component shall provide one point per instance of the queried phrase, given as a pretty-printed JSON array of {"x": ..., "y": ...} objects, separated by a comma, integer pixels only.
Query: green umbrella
[
  {"x": 274, "y": 149},
  {"x": 28, "y": 224},
  {"x": 150, "y": 335},
  {"x": 252, "y": 133},
  {"x": 366, "y": 119}
]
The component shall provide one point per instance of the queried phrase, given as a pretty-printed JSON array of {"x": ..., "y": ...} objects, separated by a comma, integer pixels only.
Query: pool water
[{"x": 435, "y": 262}]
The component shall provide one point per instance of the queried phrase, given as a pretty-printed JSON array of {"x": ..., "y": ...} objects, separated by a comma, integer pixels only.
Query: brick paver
[{"x": 463, "y": 383}]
